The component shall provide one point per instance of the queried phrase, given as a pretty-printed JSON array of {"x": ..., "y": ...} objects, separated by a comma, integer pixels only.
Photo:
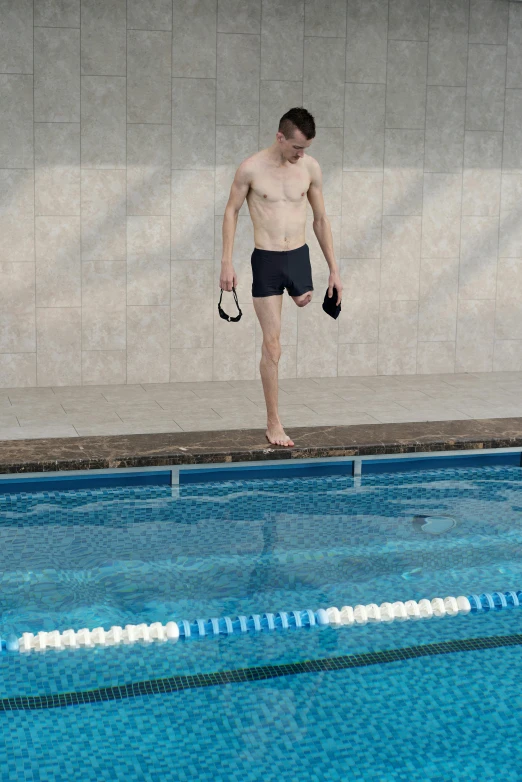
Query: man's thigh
[{"x": 268, "y": 311}]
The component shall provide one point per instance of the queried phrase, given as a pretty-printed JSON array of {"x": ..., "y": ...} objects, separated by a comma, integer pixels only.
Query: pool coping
[{"x": 250, "y": 445}]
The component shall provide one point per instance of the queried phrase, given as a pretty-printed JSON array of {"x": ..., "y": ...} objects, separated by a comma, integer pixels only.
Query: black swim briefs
[{"x": 275, "y": 270}]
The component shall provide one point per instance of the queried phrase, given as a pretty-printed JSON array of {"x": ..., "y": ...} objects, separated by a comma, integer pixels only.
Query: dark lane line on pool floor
[{"x": 255, "y": 674}]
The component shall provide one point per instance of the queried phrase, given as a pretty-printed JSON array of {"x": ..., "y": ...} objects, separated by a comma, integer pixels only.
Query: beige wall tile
[
  {"x": 194, "y": 38},
  {"x": 397, "y": 337},
  {"x": 103, "y": 215},
  {"x": 103, "y": 122},
  {"x": 189, "y": 279},
  {"x": 104, "y": 33},
  {"x": 323, "y": 80},
  {"x": 104, "y": 311},
  {"x": 477, "y": 278},
  {"x": 148, "y": 169},
  {"x": 57, "y": 168},
  {"x": 191, "y": 365},
  {"x": 435, "y": 357},
  {"x": 488, "y": 22},
  {"x": 192, "y": 220},
  {"x": 103, "y": 284},
  {"x": 57, "y": 74},
  {"x": 441, "y": 215},
  {"x": 406, "y": 84},
  {"x": 403, "y": 171},
  {"x": 485, "y": 87},
  {"x": 17, "y": 215},
  {"x": 103, "y": 329},
  {"x": 475, "y": 333},
  {"x": 193, "y": 123},
  {"x": 57, "y": 13},
  {"x": 153, "y": 15},
  {"x": 104, "y": 367},
  {"x": 192, "y": 326},
  {"x": 514, "y": 55},
  {"x": 400, "y": 264},
  {"x": 364, "y": 106},
  {"x": 58, "y": 262},
  {"x": 507, "y": 355},
  {"x": 445, "y": 112},
  {"x": 237, "y": 88},
  {"x": 17, "y": 287},
  {"x": 448, "y": 38},
  {"x": 16, "y": 37},
  {"x": 281, "y": 53},
  {"x": 17, "y": 370},
  {"x": 326, "y": 18},
  {"x": 59, "y": 346},
  {"x": 438, "y": 300},
  {"x": 233, "y": 365},
  {"x": 510, "y": 234},
  {"x": 16, "y": 124},
  {"x": 409, "y": 20},
  {"x": 17, "y": 331},
  {"x": 149, "y": 71},
  {"x": 359, "y": 318},
  {"x": 366, "y": 31},
  {"x": 357, "y": 360},
  {"x": 148, "y": 344},
  {"x": 362, "y": 215},
  {"x": 482, "y": 172}
]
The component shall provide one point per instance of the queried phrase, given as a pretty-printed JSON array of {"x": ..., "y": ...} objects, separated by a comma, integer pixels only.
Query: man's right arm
[{"x": 238, "y": 193}]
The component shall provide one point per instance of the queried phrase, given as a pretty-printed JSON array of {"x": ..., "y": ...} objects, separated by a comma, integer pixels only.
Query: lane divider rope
[{"x": 347, "y": 616}]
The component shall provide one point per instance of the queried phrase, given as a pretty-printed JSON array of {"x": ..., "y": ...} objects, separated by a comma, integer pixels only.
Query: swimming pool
[{"x": 311, "y": 704}]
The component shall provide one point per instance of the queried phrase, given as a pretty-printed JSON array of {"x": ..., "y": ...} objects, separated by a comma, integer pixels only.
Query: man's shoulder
[
  {"x": 313, "y": 167},
  {"x": 252, "y": 163},
  {"x": 311, "y": 162}
]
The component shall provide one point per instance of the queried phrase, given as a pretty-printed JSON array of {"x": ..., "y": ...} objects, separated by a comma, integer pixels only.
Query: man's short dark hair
[{"x": 298, "y": 118}]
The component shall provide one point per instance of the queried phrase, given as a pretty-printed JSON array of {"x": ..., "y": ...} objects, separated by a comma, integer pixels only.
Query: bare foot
[{"x": 276, "y": 435}]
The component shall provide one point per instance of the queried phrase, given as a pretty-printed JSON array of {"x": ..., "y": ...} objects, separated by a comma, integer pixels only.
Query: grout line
[
  {"x": 81, "y": 249},
  {"x": 214, "y": 264},
  {"x": 170, "y": 195},
  {"x": 340, "y": 258},
  {"x": 34, "y": 220},
  {"x": 500, "y": 200},
  {"x": 382, "y": 195},
  {"x": 126, "y": 198},
  {"x": 423, "y": 184}
]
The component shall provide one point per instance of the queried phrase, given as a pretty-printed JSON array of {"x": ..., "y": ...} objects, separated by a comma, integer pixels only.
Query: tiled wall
[{"x": 122, "y": 123}]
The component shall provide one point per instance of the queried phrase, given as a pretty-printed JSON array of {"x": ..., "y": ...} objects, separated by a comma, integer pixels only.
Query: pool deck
[{"x": 49, "y": 429}]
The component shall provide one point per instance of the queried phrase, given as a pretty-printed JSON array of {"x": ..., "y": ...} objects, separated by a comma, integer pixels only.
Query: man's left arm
[{"x": 322, "y": 228}]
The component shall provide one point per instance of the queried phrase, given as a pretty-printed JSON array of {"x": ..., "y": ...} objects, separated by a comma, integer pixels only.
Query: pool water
[{"x": 117, "y": 556}]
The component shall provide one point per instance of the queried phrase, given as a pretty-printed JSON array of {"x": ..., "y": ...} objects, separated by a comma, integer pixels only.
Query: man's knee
[{"x": 271, "y": 348}]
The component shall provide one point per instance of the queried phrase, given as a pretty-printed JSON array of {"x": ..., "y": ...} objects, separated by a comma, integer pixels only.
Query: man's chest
[{"x": 292, "y": 186}]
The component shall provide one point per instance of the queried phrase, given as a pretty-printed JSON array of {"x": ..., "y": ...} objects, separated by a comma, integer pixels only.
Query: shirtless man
[{"x": 276, "y": 182}]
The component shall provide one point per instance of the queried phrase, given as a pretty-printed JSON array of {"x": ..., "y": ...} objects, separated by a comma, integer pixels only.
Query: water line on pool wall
[{"x": 347, "y": 616}]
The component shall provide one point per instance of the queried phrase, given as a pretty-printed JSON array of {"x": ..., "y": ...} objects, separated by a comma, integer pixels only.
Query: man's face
[{"x": 294, "y": 148}]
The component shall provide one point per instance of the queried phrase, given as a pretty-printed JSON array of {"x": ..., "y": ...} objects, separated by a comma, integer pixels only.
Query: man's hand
[
  {"x": 334, "y": 281},
  {"x": 228, "y": 277}
]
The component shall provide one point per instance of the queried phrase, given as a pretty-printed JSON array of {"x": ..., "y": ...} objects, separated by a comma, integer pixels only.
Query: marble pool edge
[{"x": 225, "y": 446}]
